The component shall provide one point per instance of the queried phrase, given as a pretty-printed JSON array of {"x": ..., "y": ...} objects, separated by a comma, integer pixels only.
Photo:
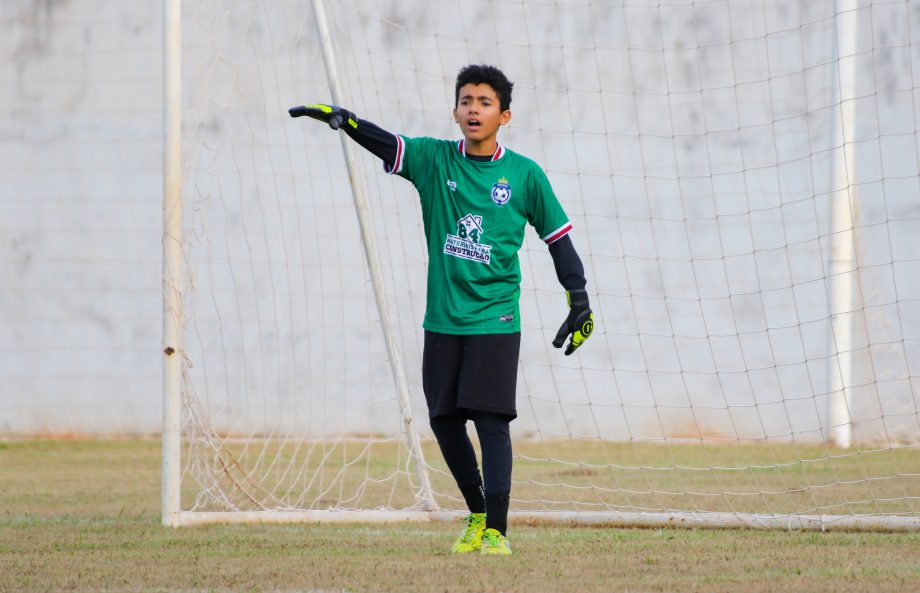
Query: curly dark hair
[{"x": 483, "y": 74}]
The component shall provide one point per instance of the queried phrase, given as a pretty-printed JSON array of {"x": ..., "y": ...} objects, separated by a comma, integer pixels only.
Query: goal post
[
  {"x": 369, "y": 242},
  {"x": 843, "y": 249},
  {"x": 173, "y": 282},
  {"x": 173, "y": 270},
  {"x": 740, "y": 180}
]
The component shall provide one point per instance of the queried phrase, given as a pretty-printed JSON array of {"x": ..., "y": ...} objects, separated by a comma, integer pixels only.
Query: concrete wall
[
  {"x": 80, "y": 146},
  {"x": 693, "y": 145}
]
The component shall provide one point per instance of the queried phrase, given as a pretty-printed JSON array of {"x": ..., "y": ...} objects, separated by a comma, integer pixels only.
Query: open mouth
[{"x": 473, "y": 124}]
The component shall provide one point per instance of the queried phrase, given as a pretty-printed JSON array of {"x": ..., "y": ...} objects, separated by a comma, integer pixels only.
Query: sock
[
  {"x": 458, "y": 452},
  {"x": 495, "y": 440},
  {"x": 497, "y": 512},
  {"x": 475, "y": 500}
]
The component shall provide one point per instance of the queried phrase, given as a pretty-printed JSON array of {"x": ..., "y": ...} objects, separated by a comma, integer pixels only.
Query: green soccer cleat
[
  {"x": 493, "y": 542},
  {"x": 471, "y": 538}
]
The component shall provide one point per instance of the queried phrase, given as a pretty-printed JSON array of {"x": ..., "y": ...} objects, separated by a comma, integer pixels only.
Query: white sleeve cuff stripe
[
  {"x": 400, "y": 152},
  {"x": 558, "y": 233}
]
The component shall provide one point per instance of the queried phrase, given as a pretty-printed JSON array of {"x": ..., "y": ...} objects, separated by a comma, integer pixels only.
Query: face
[{"x": 478, "y": 112}]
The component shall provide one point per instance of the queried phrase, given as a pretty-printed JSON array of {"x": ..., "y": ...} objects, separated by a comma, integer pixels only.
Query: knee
[
  {"x": 493, "y": 427},
  {"x": 447, "y": 426}
]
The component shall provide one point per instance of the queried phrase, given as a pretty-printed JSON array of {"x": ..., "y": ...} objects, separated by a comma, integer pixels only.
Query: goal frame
[
  {"x": 173, "y": 273},
  {"x": 839, "y": 432}
]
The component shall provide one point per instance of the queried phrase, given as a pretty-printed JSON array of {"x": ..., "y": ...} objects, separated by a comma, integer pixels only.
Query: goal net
[{"x": 742, "y": 178}]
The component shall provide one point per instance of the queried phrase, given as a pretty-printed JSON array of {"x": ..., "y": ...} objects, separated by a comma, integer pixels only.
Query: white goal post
[{"x": 742, "y": 178}]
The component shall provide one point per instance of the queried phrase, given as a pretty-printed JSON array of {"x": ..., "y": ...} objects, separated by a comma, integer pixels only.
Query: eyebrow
[{"x": 480, "y": 97}]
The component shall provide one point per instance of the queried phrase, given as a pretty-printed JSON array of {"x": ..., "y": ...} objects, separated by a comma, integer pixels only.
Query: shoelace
[
  {"x": 468, "y": 534},
  {"x": 491, "y": 537}
]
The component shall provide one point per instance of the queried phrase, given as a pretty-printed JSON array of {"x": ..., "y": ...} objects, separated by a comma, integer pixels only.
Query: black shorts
[{"x": 471, "y": 373}]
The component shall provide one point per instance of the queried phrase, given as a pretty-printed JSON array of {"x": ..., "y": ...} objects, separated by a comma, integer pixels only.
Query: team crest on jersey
[
  {"x": 501, "y": 192},
  {"x": 466, "y": 243}
]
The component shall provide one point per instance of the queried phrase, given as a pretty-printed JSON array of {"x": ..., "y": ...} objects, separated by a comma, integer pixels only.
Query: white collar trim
[{"x": 499, "y": 151}]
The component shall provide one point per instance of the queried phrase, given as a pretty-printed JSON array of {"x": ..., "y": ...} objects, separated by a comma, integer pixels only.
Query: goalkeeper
[{"x": 476, "y": 197}]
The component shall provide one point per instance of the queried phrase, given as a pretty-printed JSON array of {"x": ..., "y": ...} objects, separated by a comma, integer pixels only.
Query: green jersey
[{"x": 475, "y": 214}]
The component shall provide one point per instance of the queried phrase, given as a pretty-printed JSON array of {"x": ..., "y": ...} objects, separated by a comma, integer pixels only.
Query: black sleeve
[
  {"x": 375, "y": 139},
  {"x": 569, "y": 269}
]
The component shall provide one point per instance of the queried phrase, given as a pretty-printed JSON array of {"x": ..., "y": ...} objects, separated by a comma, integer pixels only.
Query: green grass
[{"x": 83, "y": 516}]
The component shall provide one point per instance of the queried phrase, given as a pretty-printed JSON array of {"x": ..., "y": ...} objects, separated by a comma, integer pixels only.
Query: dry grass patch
[{"x": 83, "y": 516}]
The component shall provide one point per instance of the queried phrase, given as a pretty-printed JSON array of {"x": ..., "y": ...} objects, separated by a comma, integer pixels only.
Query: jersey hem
[{"x": 471, "y": 331}]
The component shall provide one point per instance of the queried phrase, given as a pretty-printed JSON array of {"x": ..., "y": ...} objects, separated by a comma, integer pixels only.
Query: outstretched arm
[
  {"x": 375, "y": 139},
  {"x": 571, "y": 274}
]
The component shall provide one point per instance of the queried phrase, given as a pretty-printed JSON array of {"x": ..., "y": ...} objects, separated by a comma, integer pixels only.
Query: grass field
[
  {"x": 587, "y": 474},
  {"x": 83, "y": 516}
]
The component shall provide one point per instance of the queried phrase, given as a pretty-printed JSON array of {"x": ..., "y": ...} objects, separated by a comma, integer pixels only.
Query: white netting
[{"x": 700, "y": 148}]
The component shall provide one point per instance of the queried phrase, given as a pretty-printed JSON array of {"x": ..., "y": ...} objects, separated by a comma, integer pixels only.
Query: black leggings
[{"x": 490, "y": 492}]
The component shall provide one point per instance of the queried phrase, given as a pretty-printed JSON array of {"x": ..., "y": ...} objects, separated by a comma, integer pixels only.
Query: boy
[{"x": 476, "y": 197}]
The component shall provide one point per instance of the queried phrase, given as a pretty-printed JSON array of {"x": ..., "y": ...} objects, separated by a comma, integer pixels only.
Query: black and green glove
[
  {"x": 333, "y": 115},
  {"x": 579, "y": 324}
]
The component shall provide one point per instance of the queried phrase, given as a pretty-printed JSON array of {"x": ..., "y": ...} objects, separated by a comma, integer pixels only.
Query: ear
[
  {"x": 454, "y": 113},
  {"x": 505, "y": 117}
]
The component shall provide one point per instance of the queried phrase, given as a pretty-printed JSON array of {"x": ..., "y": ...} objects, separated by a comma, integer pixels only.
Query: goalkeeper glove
[
  {"x": 579, "y": 323},
  {"x": 333, "y": 115}
]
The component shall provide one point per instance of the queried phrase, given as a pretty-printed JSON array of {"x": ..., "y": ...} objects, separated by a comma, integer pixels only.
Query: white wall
[
  {"x": 80, "y": 216},
  {"x": 80, "y": 196}
]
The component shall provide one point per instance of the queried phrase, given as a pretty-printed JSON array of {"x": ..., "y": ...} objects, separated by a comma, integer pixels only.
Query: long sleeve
[
  {"x": 569, "y": 269},
  {"x": 375, "y": 140}
]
